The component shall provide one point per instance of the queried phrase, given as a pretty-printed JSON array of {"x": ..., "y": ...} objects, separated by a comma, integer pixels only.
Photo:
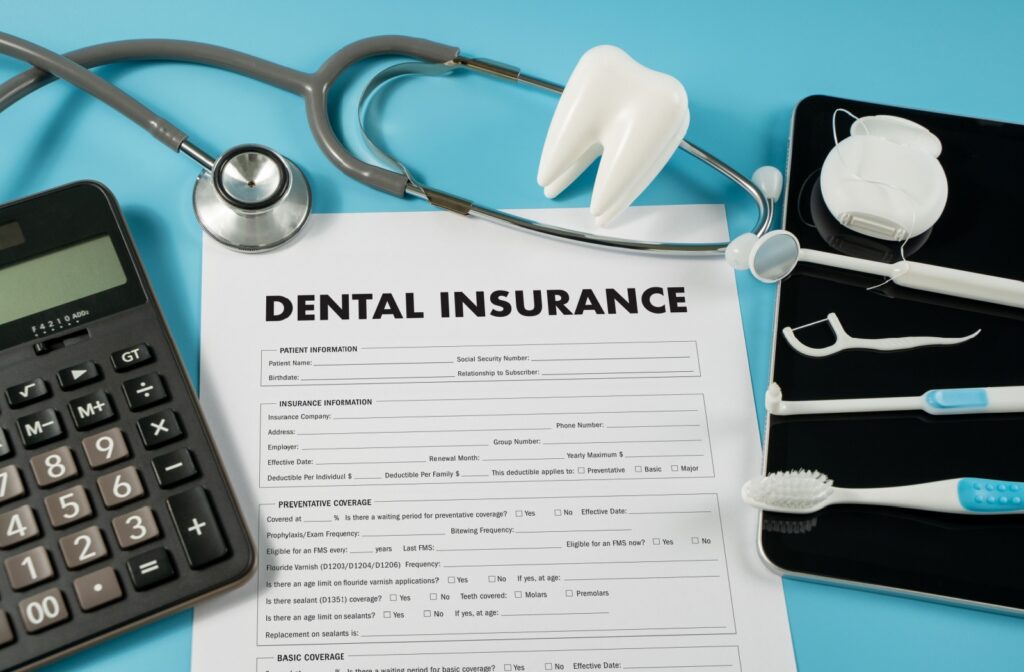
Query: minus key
[{"x": 174, "y": 468}]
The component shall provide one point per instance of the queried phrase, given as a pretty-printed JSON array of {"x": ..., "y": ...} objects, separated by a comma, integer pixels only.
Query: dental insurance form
[{"x": 465, "y": 448}]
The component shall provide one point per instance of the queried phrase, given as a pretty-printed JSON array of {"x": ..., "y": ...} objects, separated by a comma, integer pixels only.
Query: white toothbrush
[
  {"x": 802, "y": 491},
  {"x": 957, "y": 401}
]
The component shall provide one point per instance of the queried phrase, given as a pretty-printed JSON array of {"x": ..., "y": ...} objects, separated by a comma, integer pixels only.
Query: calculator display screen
[{"x": 58, "y": 278}]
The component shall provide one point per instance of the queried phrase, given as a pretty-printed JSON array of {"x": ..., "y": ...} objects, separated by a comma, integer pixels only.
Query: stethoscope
[{"x": 253, "y": 199}]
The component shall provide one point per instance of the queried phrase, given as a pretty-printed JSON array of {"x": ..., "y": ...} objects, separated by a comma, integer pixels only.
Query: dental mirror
[{"x": 774, "y": 256}]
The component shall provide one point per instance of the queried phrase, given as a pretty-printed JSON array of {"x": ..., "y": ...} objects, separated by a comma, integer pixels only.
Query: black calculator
[{"x": 114, "y": 506}]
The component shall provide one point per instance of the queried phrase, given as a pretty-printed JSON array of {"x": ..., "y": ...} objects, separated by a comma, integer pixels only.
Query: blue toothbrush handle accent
[
  {"x": 986, "y": 495},
  {"x": 961, "y": 400},
  {"x": 958, "y": 401}
]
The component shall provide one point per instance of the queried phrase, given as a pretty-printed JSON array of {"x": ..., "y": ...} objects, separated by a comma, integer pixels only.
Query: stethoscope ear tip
[
  {"x": 769, "y": 180},
  {"x": 253, "y": 200},
  {"x": 737, "y": 253}
]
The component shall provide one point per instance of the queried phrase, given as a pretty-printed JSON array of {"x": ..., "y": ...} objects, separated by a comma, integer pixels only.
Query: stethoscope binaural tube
[
  {"x": 764, "y": 196},
  {"x": 314, "y": 88}
]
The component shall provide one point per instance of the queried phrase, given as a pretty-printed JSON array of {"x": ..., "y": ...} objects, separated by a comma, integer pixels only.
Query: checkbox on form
[
  {"x": 656, "y": 541},
  {"x": 387, "y": 614},
  {"x": 568, "y": 593},
  {"x": 433, "y": 596},
  {"x": 451, "y": 579},
  {"x": 558, "y": 512},
  {"x": 695, "y": 540},
  {"x": 519, "y": 593},
  {"x": 519, "y": 514},
  {"x": 426, "y": 613}
]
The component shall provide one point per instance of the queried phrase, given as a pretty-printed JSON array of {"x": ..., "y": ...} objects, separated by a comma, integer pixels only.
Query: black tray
[{"x": 974, "y": 559}]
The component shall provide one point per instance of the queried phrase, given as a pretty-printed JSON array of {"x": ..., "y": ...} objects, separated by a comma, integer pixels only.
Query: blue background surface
[{"x": 745, "y": 65}]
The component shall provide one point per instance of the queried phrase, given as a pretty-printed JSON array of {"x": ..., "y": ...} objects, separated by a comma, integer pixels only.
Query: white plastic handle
[
  {"x": 1008, "y": 399},
  {"x": 929, "y": 278},
  {"x": 964, "y": 284}
]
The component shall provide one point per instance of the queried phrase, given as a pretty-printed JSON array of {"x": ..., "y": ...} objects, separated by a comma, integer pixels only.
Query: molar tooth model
[{"x": 613, "y": 107}]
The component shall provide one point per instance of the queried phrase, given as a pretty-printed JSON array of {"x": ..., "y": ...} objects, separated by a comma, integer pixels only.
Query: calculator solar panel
[{"x": 114, "y": 507}]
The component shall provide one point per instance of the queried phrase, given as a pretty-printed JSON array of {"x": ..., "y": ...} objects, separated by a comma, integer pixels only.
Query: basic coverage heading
[{"x": 496, "y": 303}]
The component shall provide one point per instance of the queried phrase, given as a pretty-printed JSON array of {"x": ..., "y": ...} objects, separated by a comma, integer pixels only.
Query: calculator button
[
  {"x": 160, "y": 428},
  {"x": 6, "y": 634},
  {"x": 129, "y": 358},
  {"x": 174, "y": 468},
  {"x": 29, "y": 568},
  {"x": 91, "y": 410},
  {"x": 151, "y": 569},
  {"x": 5, "y": 445},
  {"x": 120, "y": 487},
  {"x": 11, "y": 485},
  {"x": 78, "y": 375},
  {"x": 54, "y": 467},
  {"x": 145, "y": 391},
  {"x": 40, "y": 428},
  {"x": 135, "y": 527},
  {"x": 18, "y": 526},
  {"x": 70, "y": 506},
  {"x": 197, "y": 527},
  {"x": 98, "y": 589},
  {"x": 105, "y": 448},
  {"x": 43, "y": 610},
  {"x": 25, "y": 393},
  {"x": 83, "y": 547}
]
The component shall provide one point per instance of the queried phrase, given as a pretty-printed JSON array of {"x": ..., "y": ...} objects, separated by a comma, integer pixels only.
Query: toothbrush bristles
[
  {"x": 797, "y": 491},
  {"x": 789, "y": 525}
]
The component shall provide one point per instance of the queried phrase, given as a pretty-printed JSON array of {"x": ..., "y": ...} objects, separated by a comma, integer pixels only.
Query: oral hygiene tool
[
  {"x": 846, "y": 342},
  {"x": 885, "y": 180},
  {"x": 954, "y": 401},
  {"x": 774, "y": 256},
  {"x": 802, "y": 492}
]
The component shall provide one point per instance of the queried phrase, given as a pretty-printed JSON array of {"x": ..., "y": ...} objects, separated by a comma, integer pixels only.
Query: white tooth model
[{"x": 613, "y": 107}]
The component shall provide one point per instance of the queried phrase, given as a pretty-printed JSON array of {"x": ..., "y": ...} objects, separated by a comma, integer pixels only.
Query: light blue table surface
[{"x": 745, "y": 65}]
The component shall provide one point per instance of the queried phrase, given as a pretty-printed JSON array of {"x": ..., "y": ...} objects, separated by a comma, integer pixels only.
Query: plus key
[{"x": 197, "y": 527}]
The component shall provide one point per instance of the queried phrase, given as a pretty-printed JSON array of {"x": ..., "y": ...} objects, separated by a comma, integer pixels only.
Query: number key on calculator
[{"x": 114, "y": 506}]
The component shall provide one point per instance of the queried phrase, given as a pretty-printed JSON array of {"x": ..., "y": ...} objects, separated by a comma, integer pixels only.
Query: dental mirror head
[
  {"x": 252, "y": 200},
  {"x": 774, "y": 256},
  {"x": 770, "y": 258}
]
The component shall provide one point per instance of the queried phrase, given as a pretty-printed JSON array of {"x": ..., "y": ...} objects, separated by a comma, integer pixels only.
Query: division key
[{"x": 197, "y": 527}]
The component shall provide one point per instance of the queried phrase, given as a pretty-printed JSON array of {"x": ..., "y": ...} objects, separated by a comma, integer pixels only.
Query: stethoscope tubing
[{"x": 314, "y": 88}]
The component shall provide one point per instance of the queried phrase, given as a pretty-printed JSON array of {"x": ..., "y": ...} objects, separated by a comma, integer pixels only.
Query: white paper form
[{"x": 463, "y": 448}]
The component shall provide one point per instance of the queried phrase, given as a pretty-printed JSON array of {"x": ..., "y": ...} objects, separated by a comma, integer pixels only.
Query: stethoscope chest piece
[{"x": 253, "y": 199}]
